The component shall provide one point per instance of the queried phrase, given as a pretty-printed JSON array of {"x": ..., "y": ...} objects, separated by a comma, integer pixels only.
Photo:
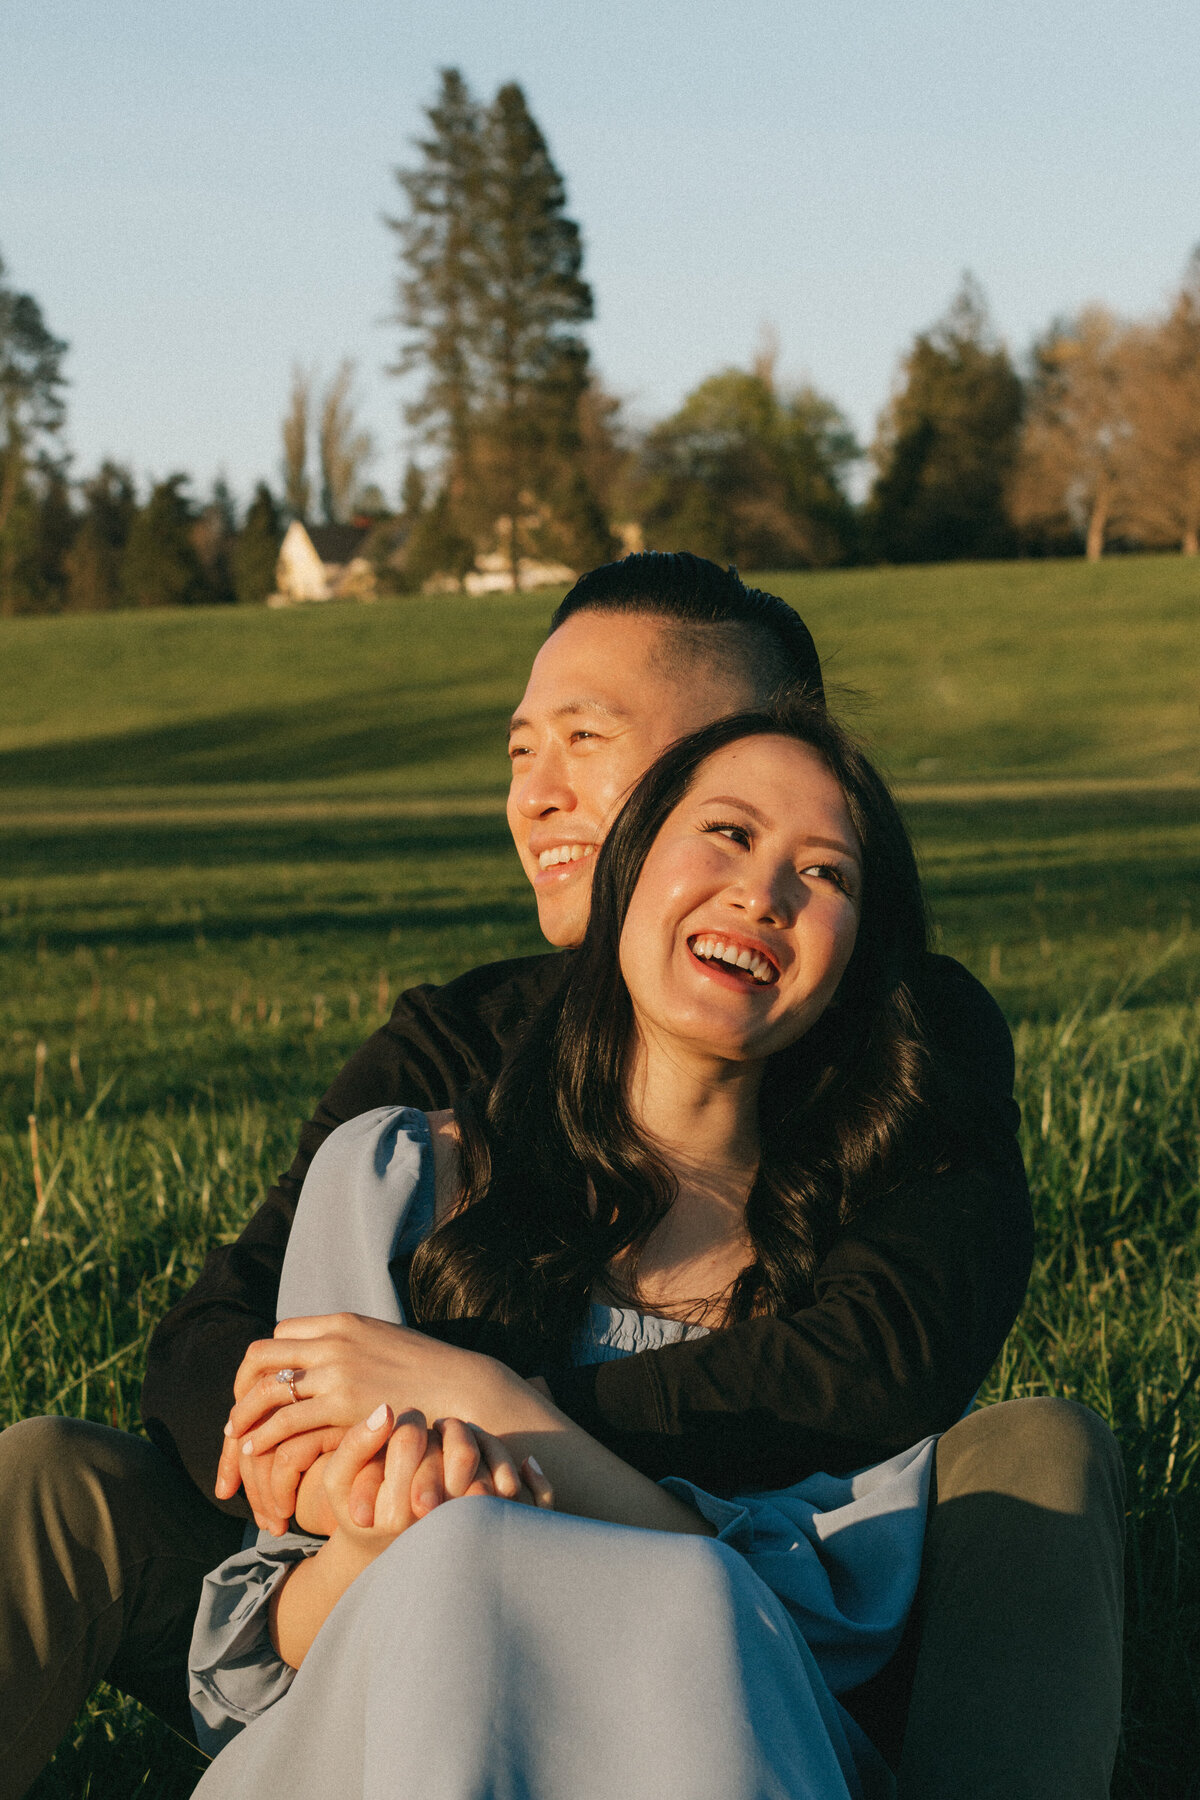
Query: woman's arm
[
  {"x": 415, "y": 1477},
  {"x": 911, "y": 1306},
  {"x": 350, "y": 1365}
]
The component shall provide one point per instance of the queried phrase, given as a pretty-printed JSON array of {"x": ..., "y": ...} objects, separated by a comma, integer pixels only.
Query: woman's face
[{"x": 746, "y": 910}]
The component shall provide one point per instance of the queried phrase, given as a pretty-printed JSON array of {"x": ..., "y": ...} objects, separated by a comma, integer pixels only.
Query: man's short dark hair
[{"x": 702, "y": 601}]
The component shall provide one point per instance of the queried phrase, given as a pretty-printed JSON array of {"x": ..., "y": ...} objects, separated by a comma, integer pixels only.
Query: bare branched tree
[
  {"x": 297, "y": 488},
  {"x": 344, "y": 448},
  {"x": 1163, "y": 404},
  {"x": 1075, "y": 460}
]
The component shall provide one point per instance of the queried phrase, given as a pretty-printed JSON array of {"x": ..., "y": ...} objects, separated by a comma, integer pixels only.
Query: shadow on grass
[
  {"x": 370, "y": 921},
  {"x": 355, "y": 734},
  {"x": 102, "y": 849}
]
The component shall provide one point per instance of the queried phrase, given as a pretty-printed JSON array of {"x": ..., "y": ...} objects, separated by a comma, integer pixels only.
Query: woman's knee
[{"x": 1050, "y": 1452}]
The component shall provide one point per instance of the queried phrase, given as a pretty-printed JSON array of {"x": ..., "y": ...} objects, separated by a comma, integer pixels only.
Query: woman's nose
[{"x": 772, "y": 894}]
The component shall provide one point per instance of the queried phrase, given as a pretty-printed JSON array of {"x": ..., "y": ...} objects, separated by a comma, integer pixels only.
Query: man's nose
[{"x": 543, "y": 787}]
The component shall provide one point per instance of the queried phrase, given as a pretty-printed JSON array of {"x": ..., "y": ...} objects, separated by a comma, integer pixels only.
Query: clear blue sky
[{"x": 193, "y": 190}]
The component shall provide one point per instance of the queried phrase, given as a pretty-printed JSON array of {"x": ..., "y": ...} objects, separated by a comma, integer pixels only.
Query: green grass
[{"x": 184, "y": 964}]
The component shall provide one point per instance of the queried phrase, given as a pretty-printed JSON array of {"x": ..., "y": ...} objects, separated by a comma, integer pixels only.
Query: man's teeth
[
  {"x": 564, "y": 853},
  {"x": 715, "y": 949}
]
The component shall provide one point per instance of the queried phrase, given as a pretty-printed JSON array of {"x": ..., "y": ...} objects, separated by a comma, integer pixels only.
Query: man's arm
[
  {"x": 912, "y": 1303},
  {"x": 436, "y": 1043}
]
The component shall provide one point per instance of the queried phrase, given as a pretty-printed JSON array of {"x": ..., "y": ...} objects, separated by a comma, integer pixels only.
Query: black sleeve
[
  {"x": 436, "y": 1042},
  {"x": 912, "y": 1305}
]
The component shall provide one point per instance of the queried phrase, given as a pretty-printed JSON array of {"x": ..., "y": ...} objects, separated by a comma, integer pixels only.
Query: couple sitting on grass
[{"x": 681, "y": 1256}]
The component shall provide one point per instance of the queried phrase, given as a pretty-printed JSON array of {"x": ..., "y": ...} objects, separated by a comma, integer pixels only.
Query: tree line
[{"x": 1090, "y": 443}]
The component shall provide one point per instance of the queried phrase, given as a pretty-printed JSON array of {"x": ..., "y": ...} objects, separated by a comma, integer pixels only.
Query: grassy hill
[
  {"x": 227, "y": 838},
  {"x": 970, "y": 672}
]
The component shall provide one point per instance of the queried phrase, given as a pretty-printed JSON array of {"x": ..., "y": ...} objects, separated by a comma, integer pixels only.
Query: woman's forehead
[{"x": 777, "y": 779}]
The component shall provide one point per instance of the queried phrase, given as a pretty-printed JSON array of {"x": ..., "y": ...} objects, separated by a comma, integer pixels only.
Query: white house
[{"x": 322, "y": 562}]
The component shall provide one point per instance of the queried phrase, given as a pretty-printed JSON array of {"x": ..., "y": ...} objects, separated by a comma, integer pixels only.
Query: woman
[{"x": 732, "y": 1068}]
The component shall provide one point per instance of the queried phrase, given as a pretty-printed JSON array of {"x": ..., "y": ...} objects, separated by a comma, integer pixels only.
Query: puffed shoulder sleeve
[{"x": 234, "y": 1671}]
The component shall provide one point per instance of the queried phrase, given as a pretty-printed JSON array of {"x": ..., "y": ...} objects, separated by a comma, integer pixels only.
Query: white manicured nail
[{"x": 378, "y": 1419}]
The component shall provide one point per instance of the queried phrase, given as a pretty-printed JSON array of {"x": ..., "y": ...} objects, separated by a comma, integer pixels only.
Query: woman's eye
[
  {"x": 737, "y": 834},
  {"x": 828, "y": 872}
]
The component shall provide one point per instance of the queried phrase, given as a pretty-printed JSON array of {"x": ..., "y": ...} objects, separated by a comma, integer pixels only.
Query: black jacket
[{"x": 912, "y": 1302}]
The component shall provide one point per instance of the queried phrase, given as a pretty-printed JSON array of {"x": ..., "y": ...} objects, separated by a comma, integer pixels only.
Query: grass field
[{"x": 228, "y": 839}]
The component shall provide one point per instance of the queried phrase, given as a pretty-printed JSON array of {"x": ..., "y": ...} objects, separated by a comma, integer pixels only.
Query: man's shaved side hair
[{"x": 711, "y": 616}]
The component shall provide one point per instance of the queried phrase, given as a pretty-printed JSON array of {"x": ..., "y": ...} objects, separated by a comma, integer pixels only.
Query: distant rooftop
[{"x": 336, "y": 543}]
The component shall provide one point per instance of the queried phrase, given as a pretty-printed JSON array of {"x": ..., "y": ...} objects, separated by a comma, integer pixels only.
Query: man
[{"x": 1017, "y": 1676}]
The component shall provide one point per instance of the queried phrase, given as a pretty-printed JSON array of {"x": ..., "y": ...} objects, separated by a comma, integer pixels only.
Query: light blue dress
[{"x": 499, "y": 1651}]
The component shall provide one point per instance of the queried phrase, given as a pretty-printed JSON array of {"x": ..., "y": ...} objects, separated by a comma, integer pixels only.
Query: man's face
[{"x": 600, "y": 705}]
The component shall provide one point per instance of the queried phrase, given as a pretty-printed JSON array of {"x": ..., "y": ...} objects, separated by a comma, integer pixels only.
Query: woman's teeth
[
  {"x": 564, "y": 853},
  {"x": 715, "y": 949}
]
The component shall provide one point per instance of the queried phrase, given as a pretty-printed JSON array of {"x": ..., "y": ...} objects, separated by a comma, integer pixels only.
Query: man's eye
[{"x": 515, "y": 750}]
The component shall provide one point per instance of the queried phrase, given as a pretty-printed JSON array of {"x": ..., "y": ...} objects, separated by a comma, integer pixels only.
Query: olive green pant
[{"x": 1014, "y": 1659}]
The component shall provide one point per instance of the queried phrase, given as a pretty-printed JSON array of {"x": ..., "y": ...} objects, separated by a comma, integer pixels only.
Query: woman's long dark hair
[{"x": 840, "y": 1111}]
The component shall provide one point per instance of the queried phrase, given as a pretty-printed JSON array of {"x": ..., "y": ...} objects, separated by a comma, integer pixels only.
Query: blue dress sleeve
[
  {"x": 842, "y": 1554},
  {"x": 234, "y": 1671},
  {"x": 368, "y": 1197}
]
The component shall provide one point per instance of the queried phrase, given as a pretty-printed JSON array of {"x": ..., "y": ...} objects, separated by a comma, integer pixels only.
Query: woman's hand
[
  {"x": 385, "y": 1475},
  {"x": 459, "y": 1461},
  {"x": 344, "y": 1364},
  {"x": 377, "y": 1484}
]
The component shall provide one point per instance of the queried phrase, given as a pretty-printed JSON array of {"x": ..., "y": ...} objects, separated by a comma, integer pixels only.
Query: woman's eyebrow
[{"x": 821, "y": 843}]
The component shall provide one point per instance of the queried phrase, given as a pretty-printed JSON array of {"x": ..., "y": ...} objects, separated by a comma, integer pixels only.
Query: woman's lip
[
  {"x": 734, "y": 940},
  {"x": 739, "y": 981}
]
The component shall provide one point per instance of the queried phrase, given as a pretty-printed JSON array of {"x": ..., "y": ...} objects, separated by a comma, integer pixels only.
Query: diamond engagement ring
[{"x": 288, "y": 1377}]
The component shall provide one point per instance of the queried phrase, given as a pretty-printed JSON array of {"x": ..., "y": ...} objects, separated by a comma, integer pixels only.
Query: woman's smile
[
  {"x": 732, "y": 958},
  {"x": 746, "y": 910}
]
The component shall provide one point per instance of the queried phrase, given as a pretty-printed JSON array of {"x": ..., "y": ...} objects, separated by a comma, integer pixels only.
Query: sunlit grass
[{"x": 176, "y": 991}]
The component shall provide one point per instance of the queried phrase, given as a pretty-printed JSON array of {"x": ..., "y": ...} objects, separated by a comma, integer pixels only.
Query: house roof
[{"x": 336, "y": 543}]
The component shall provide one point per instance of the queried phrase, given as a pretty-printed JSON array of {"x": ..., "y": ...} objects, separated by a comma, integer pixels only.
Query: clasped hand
[
  {"x": 347, "y": 1365},
  {"x": 387, "y": 1473}
]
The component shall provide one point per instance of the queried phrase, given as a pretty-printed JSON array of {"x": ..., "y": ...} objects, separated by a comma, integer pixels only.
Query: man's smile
[{"x": 557, "y": 854}]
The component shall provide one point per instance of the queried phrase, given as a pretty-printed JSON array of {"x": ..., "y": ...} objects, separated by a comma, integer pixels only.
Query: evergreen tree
[
  {"x": 160, "y": 566},
  {"x": 744, "y": 473},
  {"x": 490, "y": 300},
  {"x": 439, "y": 291},
  {"x": 31, "y": 382},
  {"x": 34, "y": 509},
  {"x": 93, "y": 563},
  {"x": 213, "y": 534},
  {"x": 436, "y": 546},
  {"x": 947, "y": 443},
  {"x": 532, "y": 299},
  {"x": 34, "y": 544},
  {"x": 256, "y": 549}
]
